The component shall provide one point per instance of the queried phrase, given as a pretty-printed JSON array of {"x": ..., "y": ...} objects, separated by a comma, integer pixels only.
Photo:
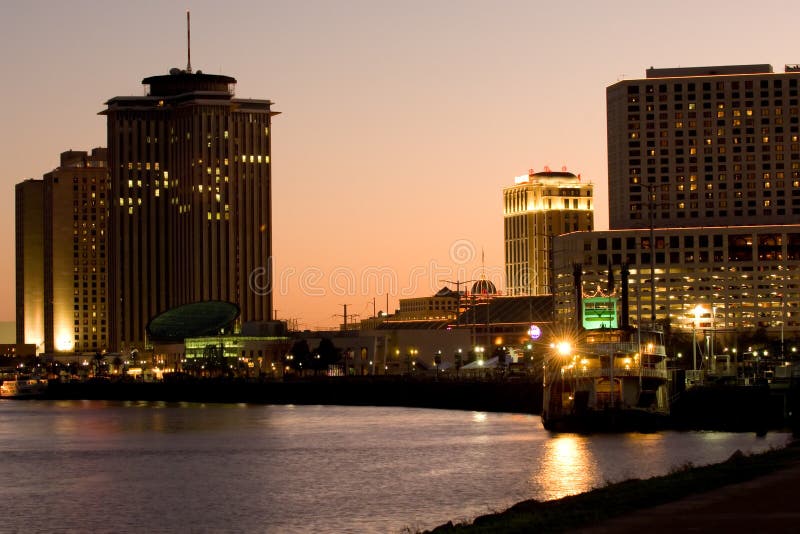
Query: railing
[
  {"x": 627, "y": 348},
  {"x": 621, "y": 372}
]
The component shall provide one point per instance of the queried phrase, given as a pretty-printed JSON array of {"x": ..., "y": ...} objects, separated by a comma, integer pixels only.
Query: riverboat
[
  {"x": 614, "y": 381},
  {"x": 23, "y": 388}
]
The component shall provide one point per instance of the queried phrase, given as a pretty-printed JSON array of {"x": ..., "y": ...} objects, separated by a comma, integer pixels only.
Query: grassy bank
[{"x": 628, "y": 496}]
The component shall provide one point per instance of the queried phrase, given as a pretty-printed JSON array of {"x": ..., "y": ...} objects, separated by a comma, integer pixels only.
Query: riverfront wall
[{"x": 726, "y": 408}]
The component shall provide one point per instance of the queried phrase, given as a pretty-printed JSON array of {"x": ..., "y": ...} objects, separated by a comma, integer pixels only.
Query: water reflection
[
  {"x": 305, "y": 468},
  {"x": 567, "y": 466}
]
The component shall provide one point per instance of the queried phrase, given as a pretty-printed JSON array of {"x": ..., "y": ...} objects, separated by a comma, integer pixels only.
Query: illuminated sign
[
  {"x": 535, "y": 332},
  {"x": 600, "y": 312}
]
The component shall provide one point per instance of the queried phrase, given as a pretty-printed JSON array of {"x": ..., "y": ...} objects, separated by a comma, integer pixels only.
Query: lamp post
[{"x": 698, "y": 312}]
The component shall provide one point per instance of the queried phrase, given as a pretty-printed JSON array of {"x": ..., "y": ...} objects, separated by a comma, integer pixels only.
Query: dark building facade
[{"x": 190, "y": 210}]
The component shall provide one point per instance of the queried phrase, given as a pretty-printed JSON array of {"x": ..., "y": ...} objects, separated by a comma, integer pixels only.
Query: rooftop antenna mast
[{"x": 188, "y": 42}]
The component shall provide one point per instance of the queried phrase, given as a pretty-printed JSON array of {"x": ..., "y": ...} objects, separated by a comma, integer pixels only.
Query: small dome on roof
[{"x": 484, "y": 287}]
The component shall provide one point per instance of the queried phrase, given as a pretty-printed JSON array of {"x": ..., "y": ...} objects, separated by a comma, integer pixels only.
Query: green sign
[{"x": 600, "y": 312}]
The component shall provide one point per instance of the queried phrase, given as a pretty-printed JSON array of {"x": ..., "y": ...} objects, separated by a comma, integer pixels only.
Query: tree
[
  {"x": 98, "y": 360},
  {"x": 328, "y": 353},
  {"x": 299, "y": 357},
  {"x": 117, "y": 361},
  {"x": 214, "y": 358}
]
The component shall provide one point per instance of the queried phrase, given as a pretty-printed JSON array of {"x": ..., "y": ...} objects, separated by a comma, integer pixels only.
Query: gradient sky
[{"x": 401, "y": 121}]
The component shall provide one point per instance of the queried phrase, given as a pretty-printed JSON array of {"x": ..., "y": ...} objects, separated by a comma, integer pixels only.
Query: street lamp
[
  {"x": 564, "y": 348},
  {"x": 412, "y": 353},
  {"x": 698, "y": 312}
]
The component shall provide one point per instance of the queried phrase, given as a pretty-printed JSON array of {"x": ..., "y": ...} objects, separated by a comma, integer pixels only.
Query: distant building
[
  {"x": 704, "y": 146},
  {"x": 61, "y": 256},
  {"x": 441, "y": 306},
  {"x": 14, "y": 350},
  {"x": 538, "y": 207},
  {"x": 191, "y": 204}
]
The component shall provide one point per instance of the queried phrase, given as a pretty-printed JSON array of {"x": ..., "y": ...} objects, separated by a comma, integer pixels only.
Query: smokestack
[
  {"x": 624, "y": 274},
  {"x": 188, "y": 43},
  {"x": 577, "y": 277}
]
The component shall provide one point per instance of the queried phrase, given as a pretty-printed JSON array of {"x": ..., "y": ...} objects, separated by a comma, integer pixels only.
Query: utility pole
[{"x": 343, "y": 315}]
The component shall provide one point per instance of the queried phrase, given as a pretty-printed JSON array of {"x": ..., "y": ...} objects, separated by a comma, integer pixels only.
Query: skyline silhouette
[{"x": 400, "y": 124}]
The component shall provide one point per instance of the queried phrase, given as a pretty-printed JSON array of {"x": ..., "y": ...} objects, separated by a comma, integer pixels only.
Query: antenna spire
[{"x": 188, "y": 43}]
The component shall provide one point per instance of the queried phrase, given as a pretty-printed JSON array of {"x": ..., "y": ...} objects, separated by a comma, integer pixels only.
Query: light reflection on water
[{"x": 138, "y": 466}]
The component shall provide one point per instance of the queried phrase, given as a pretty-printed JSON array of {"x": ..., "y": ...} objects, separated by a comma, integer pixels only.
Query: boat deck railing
[
  {"x": 621, "y": 372},
  {"x": 629, "y": 347}
]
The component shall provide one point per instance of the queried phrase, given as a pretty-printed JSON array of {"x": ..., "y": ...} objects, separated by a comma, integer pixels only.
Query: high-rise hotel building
[
  {"x": 538, "y": 207},
  {"x": 704, "y": 146},
  {"x": 61, "y": 256},
  {"x": 704, "y": 203},
  {"x": 190, "y": 201}
]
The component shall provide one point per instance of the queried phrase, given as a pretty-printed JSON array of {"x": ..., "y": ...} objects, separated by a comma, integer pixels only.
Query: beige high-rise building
[
  {"x": 704, "y": 146},
  {"x": 61, "y": 256},
  {"x": 540, "y": 206},
  {"x": 190, "y": 191}
]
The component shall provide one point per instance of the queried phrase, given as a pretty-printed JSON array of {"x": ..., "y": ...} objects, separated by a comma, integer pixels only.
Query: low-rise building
[{"x": 733, "y": 278}]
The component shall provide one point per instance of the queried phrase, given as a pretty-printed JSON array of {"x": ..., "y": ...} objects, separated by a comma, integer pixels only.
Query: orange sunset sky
[{"x": 400, "y": 122}]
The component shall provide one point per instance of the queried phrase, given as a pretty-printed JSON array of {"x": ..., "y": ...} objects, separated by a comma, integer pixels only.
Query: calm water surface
[{"x": 79, "y": 466}]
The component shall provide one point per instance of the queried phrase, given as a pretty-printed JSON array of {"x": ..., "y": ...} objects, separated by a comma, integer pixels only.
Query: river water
[{"x": 81, "y": 466}]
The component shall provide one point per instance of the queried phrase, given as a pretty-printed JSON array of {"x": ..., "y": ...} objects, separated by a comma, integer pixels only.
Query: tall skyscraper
[
  {"x": 704, "y": 146},
  {"x": 190, "y": 212},
  {"x": 540, "y": 206},
  {"x": 61, "y": 256}
]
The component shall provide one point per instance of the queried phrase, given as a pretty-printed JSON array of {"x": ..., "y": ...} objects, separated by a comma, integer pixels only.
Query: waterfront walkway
[{"x": 764, "y": 504}]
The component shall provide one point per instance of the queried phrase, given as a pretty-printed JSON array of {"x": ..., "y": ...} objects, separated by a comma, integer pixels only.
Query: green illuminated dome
[{"x": 206, "y": 318}]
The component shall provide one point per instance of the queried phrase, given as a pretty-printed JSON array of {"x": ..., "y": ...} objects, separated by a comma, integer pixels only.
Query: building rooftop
[
  {"x": 510, "y": 310},
  {"x": 681, "y": 72},
  {"x": 180, "y": 81}
]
